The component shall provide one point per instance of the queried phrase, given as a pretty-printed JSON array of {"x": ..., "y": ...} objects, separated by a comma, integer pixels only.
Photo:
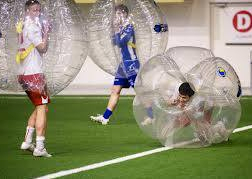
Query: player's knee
[
  {"x": 115, "y": 91},
  {"x": 42, "y": 107}
]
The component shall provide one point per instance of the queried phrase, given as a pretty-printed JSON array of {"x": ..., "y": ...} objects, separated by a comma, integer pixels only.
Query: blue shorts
[
  {"x": 126, "y": 73},
  {"x": 123, "y": 80}
]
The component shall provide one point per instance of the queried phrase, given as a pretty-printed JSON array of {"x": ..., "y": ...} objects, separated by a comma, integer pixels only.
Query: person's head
[
  {"x": 121, "y": 11},
  {"x": 32, "y": 8},
  {"x": 185, "y": 92}
]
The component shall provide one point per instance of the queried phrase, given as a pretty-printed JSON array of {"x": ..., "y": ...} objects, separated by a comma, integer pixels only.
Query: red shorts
[{"x": 35, "y": 87}]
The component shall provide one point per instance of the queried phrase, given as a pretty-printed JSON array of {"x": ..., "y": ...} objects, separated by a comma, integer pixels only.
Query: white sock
[
  {"x": 29, "y": 134},
  {"x": 40, "y": 142}
]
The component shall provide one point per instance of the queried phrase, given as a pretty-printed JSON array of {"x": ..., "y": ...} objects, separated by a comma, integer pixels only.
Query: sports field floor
[{"x": 75, "y": 141}]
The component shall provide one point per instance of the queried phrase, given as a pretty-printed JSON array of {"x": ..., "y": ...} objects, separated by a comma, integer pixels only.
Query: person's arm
[
  {"x": 38, "y": 40},
  {"x": 123, "y": 39},
  {"x": 42, "y": 47}
]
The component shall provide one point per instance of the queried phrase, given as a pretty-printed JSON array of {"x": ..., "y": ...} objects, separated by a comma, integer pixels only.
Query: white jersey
[{"x": 32, "y": 34}]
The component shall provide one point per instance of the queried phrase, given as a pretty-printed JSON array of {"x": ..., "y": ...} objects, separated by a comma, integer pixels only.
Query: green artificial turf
[{"x": 76, "y": 141}]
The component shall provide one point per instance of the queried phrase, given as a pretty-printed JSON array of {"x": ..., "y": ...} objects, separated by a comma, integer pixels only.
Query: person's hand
[
  {"x": 46, "y": 27},
  {"x": 116, "y": 22},
  {"x": 172, "y": 102},
  {"x": 117, "y": 25}
]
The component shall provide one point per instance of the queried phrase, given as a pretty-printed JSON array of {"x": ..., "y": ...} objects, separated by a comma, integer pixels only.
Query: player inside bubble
[
  {"x": 124, "y": 39},
  {"x": 33, "y": 42},
  {"x": 39, "y": 59},
  {"x": 195, "y": 114},
  {"x": 143, "y": 20},
  {"x": 205, "y": 114},
  {"x": 180, "y": 98}
]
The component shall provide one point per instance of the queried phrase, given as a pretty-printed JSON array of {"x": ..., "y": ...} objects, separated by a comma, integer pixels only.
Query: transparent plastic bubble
[
  {"x": 5, "y": 8},
  {"x": 158, "y": 79},
  {"x": 142, "y": 27},
  {"x": 187, "y": 57},
  {"x": 209, "y": 116},
  {"x": 217, "y": 73},
  {"x": 24, "y": 66}
]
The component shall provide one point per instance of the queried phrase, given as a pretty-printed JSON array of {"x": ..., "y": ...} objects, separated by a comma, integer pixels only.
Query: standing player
[
  {"x": 33, "y": 42},
  {"x": 124, "y": 39}
]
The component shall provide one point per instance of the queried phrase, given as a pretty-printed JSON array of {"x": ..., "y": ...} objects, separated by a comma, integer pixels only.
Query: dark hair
[
  {"x": 122, "y": 8},
  {"x": 30, "y": 3},
  {"x": 185, "y": 89}
]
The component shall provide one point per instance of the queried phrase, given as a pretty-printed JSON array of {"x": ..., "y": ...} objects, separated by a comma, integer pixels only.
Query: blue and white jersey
[{"x": 126, "y": 41}]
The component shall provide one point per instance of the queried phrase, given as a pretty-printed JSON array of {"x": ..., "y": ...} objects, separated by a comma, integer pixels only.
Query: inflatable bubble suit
[
  {"x": 66, "y": 51},
  {"x": 208, "y": 116},
  {"x": 144, "y": 26}
]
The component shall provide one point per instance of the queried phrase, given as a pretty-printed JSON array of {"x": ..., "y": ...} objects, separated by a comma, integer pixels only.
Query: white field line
[
  {"x": 242, "y": 128},
  {"x": 122, "y": 159}
]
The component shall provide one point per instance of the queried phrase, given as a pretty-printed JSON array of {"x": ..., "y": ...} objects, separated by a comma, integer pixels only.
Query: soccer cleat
[
  {"x": 96, "y": 118},
  {"x": 41, "y": 153},
  {"x": 147, "y": 121},
  {"x": 99, "y": 118},
  {"x": 27, "y": 146},
  {"x": 105, "y": 121}
]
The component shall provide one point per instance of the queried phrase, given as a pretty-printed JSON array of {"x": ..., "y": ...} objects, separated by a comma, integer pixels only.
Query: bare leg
[
  {"x": 30, "y": 127},
  {"x": 27, "y": 144},
  {"x": 113, "y": 100},
  {"x": 41, "y": 124},
  {"x": 41, "y": 120},
  {"x": 114, "y": 97},
  {"x": 32, "y": 119}
]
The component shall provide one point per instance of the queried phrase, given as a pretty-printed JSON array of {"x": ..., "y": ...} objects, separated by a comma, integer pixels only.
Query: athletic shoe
[
  {"x": 99, "y": 118},
  {"x": 27, "y": 146},
  {"x": 41, "y": 153},
  {"x": 147, "y": 121}
]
